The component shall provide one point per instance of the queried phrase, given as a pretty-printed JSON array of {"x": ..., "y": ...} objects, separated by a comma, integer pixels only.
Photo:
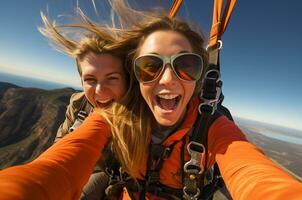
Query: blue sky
[{"x": 261, "y": 59}]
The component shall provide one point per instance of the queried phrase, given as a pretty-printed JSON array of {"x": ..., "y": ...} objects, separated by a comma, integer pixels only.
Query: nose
[
  {"x": 102, "y": 91},
  {"x": 99, "y": 88},
  {"x": 168, "y": 76}
]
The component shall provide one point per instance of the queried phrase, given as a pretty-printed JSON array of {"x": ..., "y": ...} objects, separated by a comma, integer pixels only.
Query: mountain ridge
[{"x": 29, "y": 119}]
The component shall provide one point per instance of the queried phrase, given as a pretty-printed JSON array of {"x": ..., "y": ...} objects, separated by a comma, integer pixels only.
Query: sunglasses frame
[{"x": 167, "y": 60}]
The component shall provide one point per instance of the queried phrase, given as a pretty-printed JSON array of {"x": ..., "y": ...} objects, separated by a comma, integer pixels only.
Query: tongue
[{"x": 167, "y": 104}]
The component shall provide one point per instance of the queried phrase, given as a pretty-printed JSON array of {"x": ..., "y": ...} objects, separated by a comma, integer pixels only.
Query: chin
[{"x": 166, "y": 121}]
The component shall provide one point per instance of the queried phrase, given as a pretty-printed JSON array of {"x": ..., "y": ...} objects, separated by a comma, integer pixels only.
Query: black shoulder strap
[
  {"x": 85, "y": 106},
  {"x": 209, "y": 110},
  {"x": 82, "y": 113}
]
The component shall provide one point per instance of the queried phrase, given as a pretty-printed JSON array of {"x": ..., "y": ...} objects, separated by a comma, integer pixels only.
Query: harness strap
[
  {"x": 159, "y": 190},
  {"x": 215, "y": 184},
  {"x": 182, "y": 158},
  {"x": 198, "y": 145},
  {"x": 166, "y": 192},
  {"x": 157, "y": 154},
  {"x": 220, "y": 19},
  {"x": 85, "y": 109},
  {"x": 211, "y": 94},
  {"x": 174, "y": 8},
  {"x": 219, "y": 25}
]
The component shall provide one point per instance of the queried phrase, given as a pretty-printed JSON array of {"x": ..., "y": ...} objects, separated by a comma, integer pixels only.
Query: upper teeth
[
  {"x": 104, "y": 101},
  {"x": 168, "y": 96}
]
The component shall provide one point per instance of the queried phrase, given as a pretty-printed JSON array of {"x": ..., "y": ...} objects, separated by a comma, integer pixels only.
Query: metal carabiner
[
  {"x": 195, "y": 160},
  {"x": 191, "y": 197},
  {"x": 219, "y": 45},
  {"x": 193, "y": 170},
  {"x": 212, "y": 103}
]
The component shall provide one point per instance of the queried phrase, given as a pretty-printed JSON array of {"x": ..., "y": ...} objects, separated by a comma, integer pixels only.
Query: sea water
[
  {"x": 32, "y": 82},
  {"x": 273, "y": 131}
]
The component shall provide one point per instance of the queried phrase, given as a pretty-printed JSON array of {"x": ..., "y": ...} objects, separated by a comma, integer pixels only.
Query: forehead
[
  {"x": 104, "y": 62},
  {"x": 165, "y": 43}
]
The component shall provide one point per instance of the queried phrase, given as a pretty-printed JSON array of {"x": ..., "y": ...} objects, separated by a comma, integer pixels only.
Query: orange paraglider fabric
[
  {"x": 220, "y": 20},
  {"x": 175, "y": 7}
]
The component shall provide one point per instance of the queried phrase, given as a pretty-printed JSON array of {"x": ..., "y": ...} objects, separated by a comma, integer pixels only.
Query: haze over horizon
[{"x": 261, "y": 55}]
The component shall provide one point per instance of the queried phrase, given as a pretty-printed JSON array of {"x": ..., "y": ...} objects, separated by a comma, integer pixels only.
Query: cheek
[
  {"x": 123, "y": 87},
  {"x": 116, "y": 89},
  {"x": 118, "y": 92},
  {"x": 88, "y": 89},
  {"x": 146, "y": 92},
  {"x": 89, "y": 93},
  {"x": 189, "y": 89}
]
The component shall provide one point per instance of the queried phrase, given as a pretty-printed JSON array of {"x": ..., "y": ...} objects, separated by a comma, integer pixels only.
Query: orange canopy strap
[
  {"x": 219, "y": 23},
  {"x": 175, "y": 7}
]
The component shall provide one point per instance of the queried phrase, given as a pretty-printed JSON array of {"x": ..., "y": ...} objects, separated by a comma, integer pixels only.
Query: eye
[
  {"x": 113, "y": 78},
  {"x": 89, "y": 80}
]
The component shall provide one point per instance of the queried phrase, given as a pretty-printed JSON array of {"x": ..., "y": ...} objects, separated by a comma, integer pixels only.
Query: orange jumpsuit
[{"x": 62, "y": 171}]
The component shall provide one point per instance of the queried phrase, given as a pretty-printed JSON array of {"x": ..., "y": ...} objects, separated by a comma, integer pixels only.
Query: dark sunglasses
[{"x": 186, "y": 66}]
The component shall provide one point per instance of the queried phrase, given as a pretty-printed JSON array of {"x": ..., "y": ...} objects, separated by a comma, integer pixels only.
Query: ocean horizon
[
  {"x": 270, "y": 130},
  {"x": 29, "y": 82}
]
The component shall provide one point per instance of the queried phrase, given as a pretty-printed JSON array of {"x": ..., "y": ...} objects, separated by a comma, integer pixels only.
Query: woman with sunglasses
[{"x": 161, "y": 110}]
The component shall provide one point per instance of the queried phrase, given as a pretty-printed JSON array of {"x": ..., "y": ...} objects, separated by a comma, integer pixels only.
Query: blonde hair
[
  {"x": 90, "y": 41},
  {"x": 131, "y": 120}
]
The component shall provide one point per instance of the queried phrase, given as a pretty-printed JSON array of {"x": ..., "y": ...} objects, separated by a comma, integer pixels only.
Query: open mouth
[
  {"x": 168, "y": 102},
  {"x": 103, "y": 104}
]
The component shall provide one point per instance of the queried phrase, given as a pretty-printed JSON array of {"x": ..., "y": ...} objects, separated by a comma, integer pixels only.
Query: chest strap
[{"x": 157, "y": 154}]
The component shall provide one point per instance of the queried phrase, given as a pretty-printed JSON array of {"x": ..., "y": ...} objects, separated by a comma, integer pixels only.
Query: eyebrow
[
  {"x": 113, "y": 73},
  {"x": 88, "y": 75},
  {"x": 109, "y": 74},
  {"x": 183, "y": 52},
  {"x": 174, "y": 54}
]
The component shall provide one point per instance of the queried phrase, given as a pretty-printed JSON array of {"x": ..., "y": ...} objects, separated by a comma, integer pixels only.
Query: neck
[{"x": 161, "y": 131}]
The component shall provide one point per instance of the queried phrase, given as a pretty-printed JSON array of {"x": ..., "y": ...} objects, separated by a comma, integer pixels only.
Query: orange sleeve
[
  {"x": 247, "y": 172},
  {"x": 61, "y": 171}
]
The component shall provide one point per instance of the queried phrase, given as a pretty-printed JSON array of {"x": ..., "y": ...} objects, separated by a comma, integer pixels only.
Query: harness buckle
[
  {"x": 196, "y": 151},
  {"x": 189, "y": 196},
  {"x": 193, "y": 170},
  {"x": 79, "y": 120},
  {"x": 211, "y": 103},
  {"x": 218, "y": 46}
]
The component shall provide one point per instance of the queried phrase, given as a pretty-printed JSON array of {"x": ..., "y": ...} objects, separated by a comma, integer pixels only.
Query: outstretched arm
[
  {"x": 61, "y": 171},
  {"x": 247, "y": 172}
]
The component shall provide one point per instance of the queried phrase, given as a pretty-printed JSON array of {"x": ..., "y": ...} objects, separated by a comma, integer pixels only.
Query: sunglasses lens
[
  {"x": 188, "y": 67},
  {"x": 147, "y": 68}
]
